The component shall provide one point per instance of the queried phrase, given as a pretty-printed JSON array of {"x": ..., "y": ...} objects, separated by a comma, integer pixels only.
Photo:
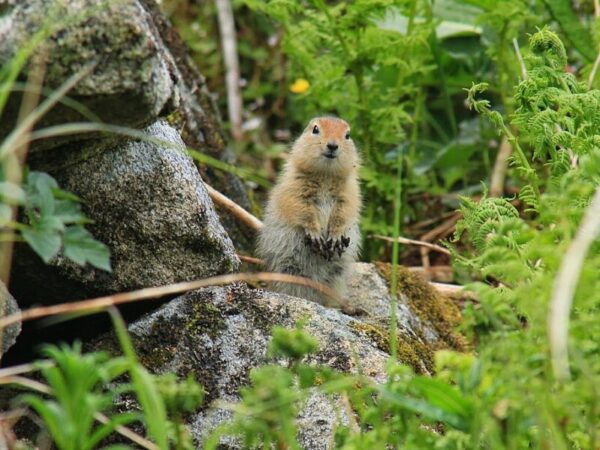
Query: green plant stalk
[
  {"x": 146, "y": 391},
  {"x": 395, "y": 255},
  {"x": 529, "y": 171}
]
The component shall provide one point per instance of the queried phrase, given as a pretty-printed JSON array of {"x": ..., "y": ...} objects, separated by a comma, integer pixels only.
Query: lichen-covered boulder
[
  {"x": 139, "y": 70},
  {"x": 8, "y": 306},
  {"x": 426, "y": 319},
  {"x": 149, "y": 206},
  {"x": 219, "y": 334},
  {"x": 129, "y": 81}
]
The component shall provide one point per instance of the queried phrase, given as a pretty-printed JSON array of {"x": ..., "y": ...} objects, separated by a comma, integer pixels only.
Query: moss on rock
[
  {"x": 434, "y": 309},
  {"x": 410, "y": 350}
]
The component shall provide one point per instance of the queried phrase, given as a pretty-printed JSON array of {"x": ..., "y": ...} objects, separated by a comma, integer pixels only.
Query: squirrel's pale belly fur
[{"x": 316, "y": 201}]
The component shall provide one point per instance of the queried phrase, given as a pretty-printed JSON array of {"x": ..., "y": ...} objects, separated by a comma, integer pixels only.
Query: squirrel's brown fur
[{"x": 311, "y": 220}]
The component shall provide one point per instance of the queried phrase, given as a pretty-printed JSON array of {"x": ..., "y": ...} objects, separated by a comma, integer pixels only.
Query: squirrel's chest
[{"x": 325, "y": 204}]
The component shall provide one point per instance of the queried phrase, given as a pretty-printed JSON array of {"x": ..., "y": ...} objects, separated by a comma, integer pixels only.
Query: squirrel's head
[{"x": 325, "y": 146}]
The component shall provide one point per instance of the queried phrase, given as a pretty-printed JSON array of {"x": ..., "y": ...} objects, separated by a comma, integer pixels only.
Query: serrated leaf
[
  {"x": 40, "y": 186},
  {"x": 81, "y": 247},
  {"x": 46, "y": 243},
  {"x": 68, "y": 211}
]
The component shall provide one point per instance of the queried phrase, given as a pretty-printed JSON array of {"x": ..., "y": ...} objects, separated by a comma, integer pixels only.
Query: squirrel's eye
[
  {"x": 347, "y": 135},
  {"x": 315, "y": 130}
]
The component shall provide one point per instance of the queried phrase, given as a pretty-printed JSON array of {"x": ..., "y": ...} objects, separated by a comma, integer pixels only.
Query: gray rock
[
  {"x": 150, "y": 207},
  {"x": 219, "y": 334},
  {"x": 8, "y": 306},
  {"x": 130, "y": 81}
]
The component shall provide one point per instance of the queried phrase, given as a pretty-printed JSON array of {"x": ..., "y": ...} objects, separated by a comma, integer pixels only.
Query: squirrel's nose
[{"x": 332, "y": 146}]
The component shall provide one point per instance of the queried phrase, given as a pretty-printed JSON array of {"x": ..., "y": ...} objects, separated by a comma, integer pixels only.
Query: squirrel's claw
[{"x": 327, "y": 247}]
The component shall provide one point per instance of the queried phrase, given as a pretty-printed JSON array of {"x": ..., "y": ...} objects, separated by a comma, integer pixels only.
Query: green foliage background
[{"x": 432, "y": 89}]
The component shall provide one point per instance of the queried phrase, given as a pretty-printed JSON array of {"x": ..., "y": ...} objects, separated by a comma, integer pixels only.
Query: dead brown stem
[
  {"x": 564, "y": 287},
  {"x": 500, "y": 168},
  {"x": 240, "y": 213},
  {"x": 101, "y": 303},
  {"x": 232, "y": 69},
  {"x": 441, "y": 230},
  {"x": 251, "y": 260},
  {"x": 403, "y": 240},
  {"x": 15, "y": 157}
]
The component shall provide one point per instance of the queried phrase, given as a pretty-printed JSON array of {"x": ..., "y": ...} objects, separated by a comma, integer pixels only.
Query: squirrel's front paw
[
  {"x": 340, "y": 245},
  {"x": 321, "y": 246},
  {"x": 314, "y": 242}
]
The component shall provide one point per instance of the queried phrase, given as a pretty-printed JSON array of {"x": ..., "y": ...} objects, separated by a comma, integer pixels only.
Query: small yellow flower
[{"x": 300, "y": 86}]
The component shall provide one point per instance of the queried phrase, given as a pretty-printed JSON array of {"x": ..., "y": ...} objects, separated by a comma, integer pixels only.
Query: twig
[
  {"x": 101, "y": 303},
  {"x": 442, "y": 229},
  {"x": 427, "y": 222},
  {"x": 453, "y": 290},
  {"x": 403, "y": 240},
  {"x": 564, "y": 287},
  {"x": 500, "y": 168},
  {"x": 251, "y": 260},
  {"x": 232, "y": 67},
  {"x": 520, "y": 58},
  {"x": 45, "y": 389},
  {"x": 235, "y": 209},
  {"x": 24, "y": 368}
]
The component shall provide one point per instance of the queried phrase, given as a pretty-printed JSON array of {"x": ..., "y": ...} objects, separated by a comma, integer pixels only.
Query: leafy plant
[
  {"x": 54, "y": 221},
  {"x": 77, "y": 384}
]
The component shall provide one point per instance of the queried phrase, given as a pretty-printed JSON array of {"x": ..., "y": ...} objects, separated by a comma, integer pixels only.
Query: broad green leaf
[
  {"x": 42, "y": 196},
  {"x": 81, "y": 247},
  {"x": 443, "y": 396},
  {"x": 46, "y": 243},
  {"x": 427, "y": 409},
  {"x": 68, "y": 211}
]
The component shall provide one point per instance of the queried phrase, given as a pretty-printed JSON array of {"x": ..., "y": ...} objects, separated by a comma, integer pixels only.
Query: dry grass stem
[
  {"x": 14, "y": 158},
  {"x": 440, "y": 231},
  {"x": 406, "y": 241},
  {"x": 101, "y": 303},
  {"x": 564, "y": 287},
  {"x": 240, "y": 213},
  {"x": 232, "y": 66},
  {"x": 500, "y": 168},
  {"x": 251, "y": 260}
]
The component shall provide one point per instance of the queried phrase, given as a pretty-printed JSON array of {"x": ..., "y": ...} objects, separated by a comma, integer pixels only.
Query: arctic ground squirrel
[{"x": 311, "y": 222}]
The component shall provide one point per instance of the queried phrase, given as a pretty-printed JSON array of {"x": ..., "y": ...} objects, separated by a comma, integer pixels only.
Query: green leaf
[
  {"x": 444, "y": 396},
  {"x": 427, "y": 409},
  {"x": 143, "y": 382},
  {"x": 40, "y": 185},
  {"x": 81, "y": 247},
  {"x": 46, "y": 243}
]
